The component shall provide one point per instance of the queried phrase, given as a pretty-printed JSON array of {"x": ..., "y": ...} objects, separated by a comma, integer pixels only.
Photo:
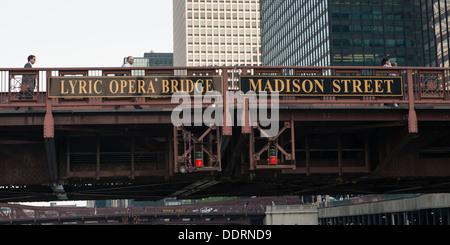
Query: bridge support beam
[
  {"x": 49, "y": 139},
  {"x": 412, "y": 117},
  {"x": 287, "y": 160},
  {"x": 208, "y": 145},
  {"x": 400, "y": 145}
]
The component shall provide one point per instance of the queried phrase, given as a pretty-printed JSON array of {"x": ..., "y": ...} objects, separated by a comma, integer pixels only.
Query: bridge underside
[
  {"x": 102, "y": 147},
  {"x": 122, "y": 154}
]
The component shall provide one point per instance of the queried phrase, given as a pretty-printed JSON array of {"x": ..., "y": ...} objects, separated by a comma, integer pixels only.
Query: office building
[
  {"x": 153, "y": 59},
  {"x": 295, "y": 32},
  {"x": 355, "y": 32},
  {"x": 217, "y": 32},
  {"x": 436, "y": 19}
]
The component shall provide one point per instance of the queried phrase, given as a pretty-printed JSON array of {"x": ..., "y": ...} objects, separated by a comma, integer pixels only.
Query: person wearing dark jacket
[{"x": 28, "y": 81}]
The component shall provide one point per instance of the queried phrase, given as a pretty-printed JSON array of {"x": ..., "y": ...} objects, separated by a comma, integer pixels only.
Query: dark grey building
[
  {"x": 355, "y": 32},
  {"x": 295, "y": 32},
  {"x": 153, "y": 59},
  {"x": 159, "y": 59}
]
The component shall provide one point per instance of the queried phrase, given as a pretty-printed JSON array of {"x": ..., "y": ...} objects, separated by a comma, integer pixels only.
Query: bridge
[
  {"x": 236, "y": 212},
  {"x": 109, "y": 133}
]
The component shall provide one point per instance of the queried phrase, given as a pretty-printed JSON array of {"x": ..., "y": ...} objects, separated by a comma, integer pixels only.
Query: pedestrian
[
  {"x": 129, "y": 62},
  {"x": 28, "y": 81},
  {"x": 386, "y": 62}
]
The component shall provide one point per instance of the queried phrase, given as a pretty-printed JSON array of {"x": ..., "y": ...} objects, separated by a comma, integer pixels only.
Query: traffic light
[
  {"x": 199, "y": 159},
  {"x": 273, "y": 155}
]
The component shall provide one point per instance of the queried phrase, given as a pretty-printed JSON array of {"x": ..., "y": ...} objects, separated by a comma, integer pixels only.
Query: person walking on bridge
[{"x": 28, "y": 81}]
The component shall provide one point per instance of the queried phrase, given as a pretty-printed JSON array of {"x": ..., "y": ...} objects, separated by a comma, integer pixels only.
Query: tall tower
[
  {"x": 217, "y": 32},
  {"x": 344, "y": 33}
]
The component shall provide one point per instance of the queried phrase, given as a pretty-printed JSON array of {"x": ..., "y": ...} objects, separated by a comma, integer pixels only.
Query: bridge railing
[
  {"x": 253, "y": 206},
  {"x": 28, "y": 87}
]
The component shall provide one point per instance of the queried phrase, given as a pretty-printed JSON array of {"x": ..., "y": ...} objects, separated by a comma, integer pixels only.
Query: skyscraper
[
  {"x": 153, "y": 59},
  {"x": 216, "y": 32},
  {"x": 436, "y": 19},
  {"x": 295, "y": 32},
  {"x": 355, "y": 32}
]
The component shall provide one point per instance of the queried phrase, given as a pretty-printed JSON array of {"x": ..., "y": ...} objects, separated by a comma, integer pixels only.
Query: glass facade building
[
  {"x": 436, "y": 21},
  {"x": 153, "y": 59},
  {"x": 295, "y": 33},
  {"x": 363, "y": 32},
  {"x": 355, "y": 32}
]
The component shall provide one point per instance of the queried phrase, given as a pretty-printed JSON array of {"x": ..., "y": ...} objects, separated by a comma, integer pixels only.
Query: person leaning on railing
[{"x": 386, "y": 62}]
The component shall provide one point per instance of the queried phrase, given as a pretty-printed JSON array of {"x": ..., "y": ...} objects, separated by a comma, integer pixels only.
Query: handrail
[{"x": 431, "y": 85}]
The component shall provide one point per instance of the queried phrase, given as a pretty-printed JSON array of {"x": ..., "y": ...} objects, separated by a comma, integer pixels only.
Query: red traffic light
[
  {"x": 273, "y": 156},
  {"x": 273, "y": 160},
  {"x": 199, "y": 163},
  {"x": 199, "y": 159}
]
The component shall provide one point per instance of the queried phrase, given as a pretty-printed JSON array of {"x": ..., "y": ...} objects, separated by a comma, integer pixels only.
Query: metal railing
[
  {"x": 13, "y": 213},
  {"x": 28, "y": 87}
]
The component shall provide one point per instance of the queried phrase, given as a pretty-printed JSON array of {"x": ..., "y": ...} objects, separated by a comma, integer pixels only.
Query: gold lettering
[
  {"x": 296, "y": 86},
  {"x": 311, "y": 86},
  {"x": 189, "y": 86},
  {"x": 209, "y": 85},
  {"x": 319, "y": 84},
  {"x": 141, "y": 84},
  {"x": 357, "y": 86},
  {"x": 174, "y": 86},
  {"x": 90, "y": 86},
  {"x": 378, "y": 88},
  {"x": 337, "y": 87},
  {"x": 288, "y": 85},
  {"x": 255, "y": 87},
  {"x": 389, "y": 84},
  {"x": 132, "y": 86},
  {"x": 72, "y": 86},
  {"x": 150, "y": 87},
  {"x": 62, "y": 88},
  {"x": 368, "y": 86},
  {"x": 165, "y": 88},
  {"x": 346, "y": 82},
  {"x": 281, "y": 88},
  {"x": 95, "y": 86},
  {"x": 82, "y": 87},
  {"x": 123, "y": 85},
  {"x": 116, "y": 89},
  {"x": 268, "y": 86}
]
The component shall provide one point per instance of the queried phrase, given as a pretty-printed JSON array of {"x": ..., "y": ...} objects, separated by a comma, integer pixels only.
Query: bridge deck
[{"x": 364, "y": 142}]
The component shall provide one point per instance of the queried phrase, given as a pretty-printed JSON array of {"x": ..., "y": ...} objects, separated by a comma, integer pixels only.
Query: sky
[{"x": 82, "y": 33}]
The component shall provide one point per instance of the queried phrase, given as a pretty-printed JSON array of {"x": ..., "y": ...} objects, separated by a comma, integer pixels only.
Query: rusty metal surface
[
  {"x": 241, "y": 210},
  {"x": 407, "y": 141}
]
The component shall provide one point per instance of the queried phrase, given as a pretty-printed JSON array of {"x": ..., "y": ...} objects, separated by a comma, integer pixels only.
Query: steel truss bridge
[
  {"x": 236, "y": 212},
  {"x": 86, "y": 148}
]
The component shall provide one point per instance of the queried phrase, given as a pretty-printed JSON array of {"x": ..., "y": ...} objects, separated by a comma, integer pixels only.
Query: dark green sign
[
  {"x": 148, "y": 86},
  {"x": 323, "y": 85}
]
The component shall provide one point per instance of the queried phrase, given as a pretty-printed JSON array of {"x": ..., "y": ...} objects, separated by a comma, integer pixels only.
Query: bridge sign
[
  {"x": 132, "y": 86},
  {"x": 323, "y": 85}
]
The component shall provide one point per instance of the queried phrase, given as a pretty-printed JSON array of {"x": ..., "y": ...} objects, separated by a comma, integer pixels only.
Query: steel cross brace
[
  {"x": 256, "y": 156},
  {"x": 199, "y": 141}
]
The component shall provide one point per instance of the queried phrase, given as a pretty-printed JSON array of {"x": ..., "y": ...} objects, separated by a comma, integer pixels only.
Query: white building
[{"x": 217, "y": 32}]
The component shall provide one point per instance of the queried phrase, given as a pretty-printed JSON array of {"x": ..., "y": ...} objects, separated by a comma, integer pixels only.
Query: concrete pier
[
  {"x": 430, "y": 209},
  {"x": 291, "y": 215}
]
